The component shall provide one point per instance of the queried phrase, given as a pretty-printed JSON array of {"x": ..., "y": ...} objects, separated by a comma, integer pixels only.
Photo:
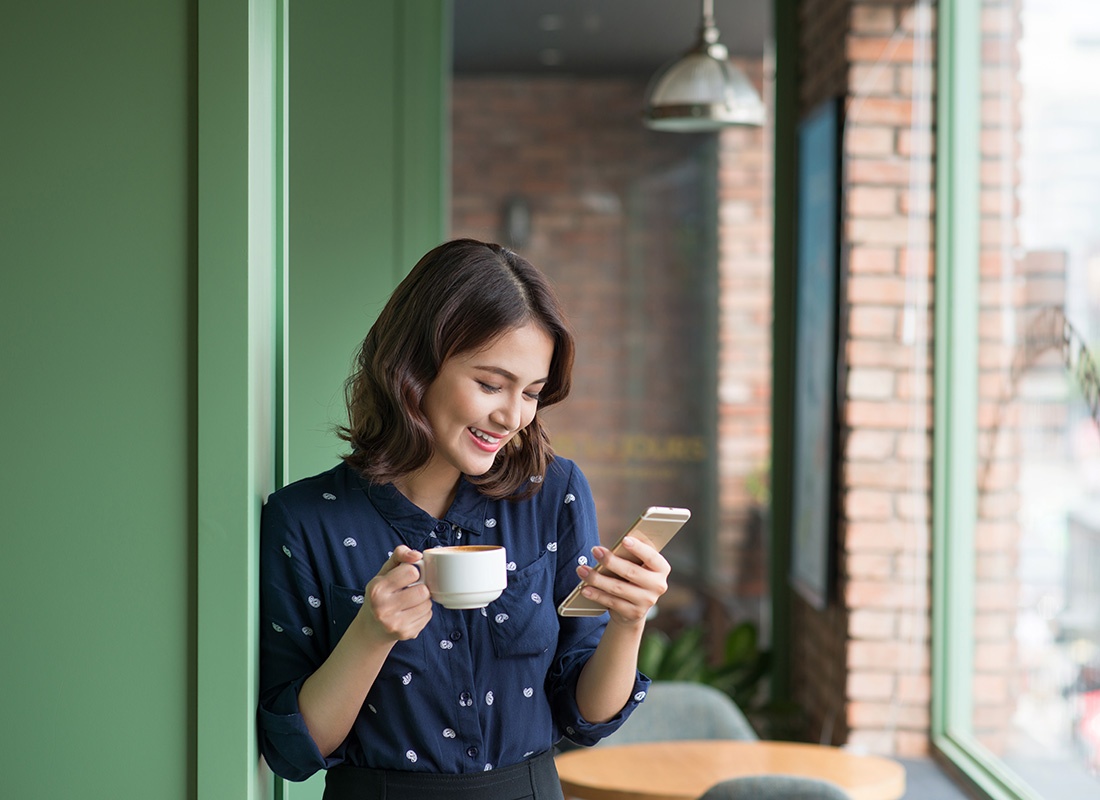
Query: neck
[{"x": 429, "y": 489}]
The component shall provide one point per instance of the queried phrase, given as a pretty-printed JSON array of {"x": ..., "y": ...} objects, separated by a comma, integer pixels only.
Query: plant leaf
[
  {"x": 651, "y": 652},
  {"x": 684, "y": 659},
  {"x": 741, "y": 643}
]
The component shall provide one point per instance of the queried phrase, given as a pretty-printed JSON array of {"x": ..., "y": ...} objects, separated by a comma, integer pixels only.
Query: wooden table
[{"x": 683, "y": 770}]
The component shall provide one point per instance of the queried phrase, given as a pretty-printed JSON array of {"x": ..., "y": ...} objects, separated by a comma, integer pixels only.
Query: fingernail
[
  {"x": 630, "y": 541},
  {"x": 583, "y": 571}
]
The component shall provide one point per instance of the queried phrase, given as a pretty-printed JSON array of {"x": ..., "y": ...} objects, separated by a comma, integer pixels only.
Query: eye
[
  {"x": 532, "y": 396},
  {"x": 488, "y": 388}
]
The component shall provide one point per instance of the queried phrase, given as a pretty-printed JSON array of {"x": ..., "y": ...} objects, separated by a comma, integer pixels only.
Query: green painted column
[
  {"x": 97, "y": 358},
  {"x": 239, "y": 244}
]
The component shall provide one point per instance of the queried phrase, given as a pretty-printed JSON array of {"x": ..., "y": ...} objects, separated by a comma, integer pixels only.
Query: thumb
[{"x": 401, "y": 555}]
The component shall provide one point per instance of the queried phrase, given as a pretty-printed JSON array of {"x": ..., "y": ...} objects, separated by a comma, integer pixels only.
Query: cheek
[{"x": 528, "y": 417}]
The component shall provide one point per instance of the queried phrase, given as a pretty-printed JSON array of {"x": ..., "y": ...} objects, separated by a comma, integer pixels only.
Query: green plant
[
  {"x": 758, "y": 484},
  {"x": 739, "y": 672}
]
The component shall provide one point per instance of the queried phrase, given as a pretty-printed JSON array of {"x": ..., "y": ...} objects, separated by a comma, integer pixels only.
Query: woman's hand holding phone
[
  {"x": 635, "y": 561},
  {"x": 628, "y": 584}
]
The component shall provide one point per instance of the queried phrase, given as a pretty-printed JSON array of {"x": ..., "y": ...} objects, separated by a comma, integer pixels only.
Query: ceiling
[{"x": 595, "y": 37}]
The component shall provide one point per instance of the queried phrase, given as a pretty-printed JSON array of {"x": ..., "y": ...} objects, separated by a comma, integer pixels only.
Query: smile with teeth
[{"x": 482, "y": 436}]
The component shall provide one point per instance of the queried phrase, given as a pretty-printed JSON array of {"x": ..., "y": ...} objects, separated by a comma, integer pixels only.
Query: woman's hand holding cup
[{"x": 397, "y": 605}]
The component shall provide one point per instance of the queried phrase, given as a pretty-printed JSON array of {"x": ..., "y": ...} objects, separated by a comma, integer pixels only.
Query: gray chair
[
  {"x": 775, "y": 787},
  {"x": 683, "y": 710}
]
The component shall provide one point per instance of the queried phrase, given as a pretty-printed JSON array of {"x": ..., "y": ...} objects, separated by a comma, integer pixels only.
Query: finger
[
  {"x": 640, "y": 549},
  {"x": 652, "y": 572},
  {"x": 398, "y": 587},
  {"x": 390, "y": 602},
  {"x": 642, "y": 593},
  {"x": 412, "y": 624},
  {"x": 399, "y": 621},
  {"x": 403, "y": 576},
  {"x": 629, "y": 609},
  {"x": 400, "y": 555}
]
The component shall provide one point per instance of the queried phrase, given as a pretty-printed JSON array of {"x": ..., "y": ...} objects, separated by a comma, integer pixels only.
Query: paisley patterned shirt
[{"x": 475, "y": 689}]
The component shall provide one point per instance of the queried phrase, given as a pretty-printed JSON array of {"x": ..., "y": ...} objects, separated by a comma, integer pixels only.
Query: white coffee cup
[{"x": 465, "y": 576}]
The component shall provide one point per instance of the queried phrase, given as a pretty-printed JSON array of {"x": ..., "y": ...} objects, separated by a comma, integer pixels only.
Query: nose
[{"x": 509, "y": 414}]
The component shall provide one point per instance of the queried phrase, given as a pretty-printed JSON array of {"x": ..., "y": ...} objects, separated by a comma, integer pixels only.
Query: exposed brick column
[
  {"x": 862, "y": 665},
  {"x": 887, "y": 453}
]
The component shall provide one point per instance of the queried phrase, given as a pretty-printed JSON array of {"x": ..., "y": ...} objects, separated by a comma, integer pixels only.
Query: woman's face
[{"x": 480, "y": 400}]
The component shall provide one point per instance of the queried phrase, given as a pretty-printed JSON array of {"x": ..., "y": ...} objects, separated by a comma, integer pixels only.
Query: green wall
[
  {"x": 367, "y": 173},
  {"x": 141, "y": 235},
  {"x": 97, "y": 365}
]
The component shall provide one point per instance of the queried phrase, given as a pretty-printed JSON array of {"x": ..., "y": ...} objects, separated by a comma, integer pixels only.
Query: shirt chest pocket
[
  {"x": 343, "y": 604},
  {"x": 523, "y": 621}
]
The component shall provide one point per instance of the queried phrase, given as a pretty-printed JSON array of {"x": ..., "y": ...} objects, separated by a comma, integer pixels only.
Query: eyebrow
[{"x": 508, "y": 375}]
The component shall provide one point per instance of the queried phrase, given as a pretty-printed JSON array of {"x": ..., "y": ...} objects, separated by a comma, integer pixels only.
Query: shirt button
[
  {"x": 466, "y": 698},
  {"x": 456, "y": 635},
  {"x": 441, "y": 527},
  {"x": 471, "y": 752}
]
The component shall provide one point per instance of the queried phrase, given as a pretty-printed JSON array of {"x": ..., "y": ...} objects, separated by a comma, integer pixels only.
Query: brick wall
[
  {"x": 862, "y": 666},
  {"x": 890, "y": 288}
]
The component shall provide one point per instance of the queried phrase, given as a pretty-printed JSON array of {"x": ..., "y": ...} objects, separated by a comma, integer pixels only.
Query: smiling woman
[{"x": 361, "y": 674}]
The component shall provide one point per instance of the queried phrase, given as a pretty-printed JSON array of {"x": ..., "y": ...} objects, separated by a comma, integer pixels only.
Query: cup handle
[{"x": 420, "y": 567}]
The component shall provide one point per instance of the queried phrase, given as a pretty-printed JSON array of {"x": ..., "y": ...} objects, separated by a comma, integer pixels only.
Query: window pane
[{"x": 1036, "y": 666}]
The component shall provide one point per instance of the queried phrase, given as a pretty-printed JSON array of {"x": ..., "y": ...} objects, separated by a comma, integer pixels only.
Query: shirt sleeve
[
  {"x": 578, "y": 636},
  {"x": 293, "y": 643}
]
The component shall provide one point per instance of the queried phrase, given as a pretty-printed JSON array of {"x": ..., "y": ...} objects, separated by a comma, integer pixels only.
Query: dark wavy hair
[{"x": 458, "y": 298}]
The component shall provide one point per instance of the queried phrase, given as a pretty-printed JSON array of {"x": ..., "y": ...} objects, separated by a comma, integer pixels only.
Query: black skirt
[{"x": 534, "y": 779}]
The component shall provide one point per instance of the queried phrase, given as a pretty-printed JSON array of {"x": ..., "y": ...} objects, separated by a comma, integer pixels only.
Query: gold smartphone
[{"x": 655, "y": 527}]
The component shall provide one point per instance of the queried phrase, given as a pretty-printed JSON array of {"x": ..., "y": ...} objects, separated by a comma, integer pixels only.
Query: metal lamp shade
[{"x": 702, "y": 91}]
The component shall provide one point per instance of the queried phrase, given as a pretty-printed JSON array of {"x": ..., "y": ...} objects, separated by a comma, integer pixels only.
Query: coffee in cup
[{"x": 464, "y": 576}]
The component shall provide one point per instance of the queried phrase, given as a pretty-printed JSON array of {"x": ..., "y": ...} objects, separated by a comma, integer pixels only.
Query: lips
[{"x": 485, "y": 441}]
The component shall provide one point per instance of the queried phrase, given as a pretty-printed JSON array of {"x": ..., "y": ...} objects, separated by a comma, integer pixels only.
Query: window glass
[{"x": 1035, "y": 682}]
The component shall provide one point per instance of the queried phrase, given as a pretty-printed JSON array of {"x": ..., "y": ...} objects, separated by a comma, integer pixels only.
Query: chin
[{"x": 476, "y": 469}]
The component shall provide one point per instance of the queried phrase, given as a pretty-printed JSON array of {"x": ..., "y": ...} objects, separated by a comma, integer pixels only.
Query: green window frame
[{"x": 954, "y": 505}]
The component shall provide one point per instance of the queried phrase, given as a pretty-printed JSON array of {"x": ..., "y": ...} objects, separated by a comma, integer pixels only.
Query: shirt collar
[{"x": 414, "y": 524}]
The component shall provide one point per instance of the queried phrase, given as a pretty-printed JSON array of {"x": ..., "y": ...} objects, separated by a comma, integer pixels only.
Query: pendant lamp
[{"x": 702, "y": 90}]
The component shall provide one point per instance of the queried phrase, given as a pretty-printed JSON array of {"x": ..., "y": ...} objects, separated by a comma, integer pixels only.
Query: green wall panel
[
  {"x": 97, "y": 364},
  {"x": 367, "y": 104}
]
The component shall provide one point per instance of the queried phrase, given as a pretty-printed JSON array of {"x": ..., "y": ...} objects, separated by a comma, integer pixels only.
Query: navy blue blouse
[{"x": 476, "y": 689}]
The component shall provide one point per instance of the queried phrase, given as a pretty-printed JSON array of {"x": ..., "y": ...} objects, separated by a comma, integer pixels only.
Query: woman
[{"x": 360, "y": 673}]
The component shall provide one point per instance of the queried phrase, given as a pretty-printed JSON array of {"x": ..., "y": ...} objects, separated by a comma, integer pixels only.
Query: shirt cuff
[
  {"x": 285, "y": 741},
  {"x": 581, "y": 731}
]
